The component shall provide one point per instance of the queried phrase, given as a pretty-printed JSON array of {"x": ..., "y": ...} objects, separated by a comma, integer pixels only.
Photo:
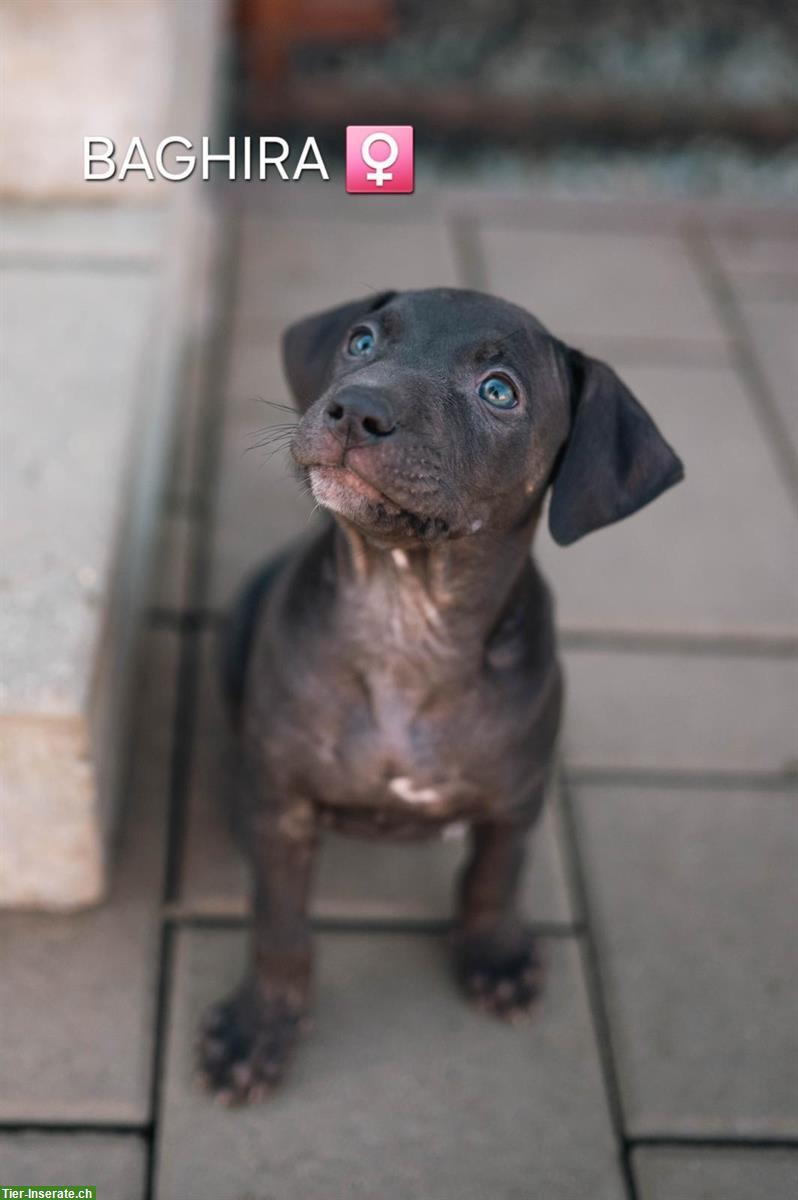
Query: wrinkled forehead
[{"x": 461, "y": 325}]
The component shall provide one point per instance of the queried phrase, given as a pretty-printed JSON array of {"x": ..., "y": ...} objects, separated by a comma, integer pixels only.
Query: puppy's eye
[
  {"x": 498, "y": 391},
  {"x": 361, "y": 343}
]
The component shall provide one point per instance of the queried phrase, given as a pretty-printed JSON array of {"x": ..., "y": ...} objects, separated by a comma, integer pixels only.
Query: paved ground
[{"x": 663, "y": 1063}]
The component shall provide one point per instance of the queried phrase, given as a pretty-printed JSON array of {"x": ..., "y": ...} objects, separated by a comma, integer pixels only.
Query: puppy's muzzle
[{"x": 359, "y": 416}]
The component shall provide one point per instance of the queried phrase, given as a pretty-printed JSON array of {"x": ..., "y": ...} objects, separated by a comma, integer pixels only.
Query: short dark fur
[{"x": 397, "y": 671}]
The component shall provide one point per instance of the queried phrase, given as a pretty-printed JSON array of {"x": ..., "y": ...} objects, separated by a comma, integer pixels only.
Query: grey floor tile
[
  {"x": 773, "y": 326},
  {"x": 292, "y": 268},
  {"x": 56, "y": 232},
  {"x": 758, "y": 263},
  {"x": 115, "y": 1165},
  {"x": 357, "y": 879},
  {"x": 401, "y": 1089},
  {"x": 78, "y": 993},
  {"x": 598, "y": 285},
  {"x": 688, "y": 712},
  {"x": 694, "y": 895},
  {"x": 259, "y": 504},
  {"x": 733, "y": 1174},
  {"x": 715, "y": 554}
]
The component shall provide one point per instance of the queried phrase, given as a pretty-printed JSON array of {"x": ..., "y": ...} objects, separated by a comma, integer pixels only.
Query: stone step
[
  {"x": 74, "y": 338},
  {"x": 105, "y": 304}
]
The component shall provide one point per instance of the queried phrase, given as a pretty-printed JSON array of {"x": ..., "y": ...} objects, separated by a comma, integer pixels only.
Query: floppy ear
[
  {"x": 309, "y": 345},
  {"x": 615, "y": 459}
]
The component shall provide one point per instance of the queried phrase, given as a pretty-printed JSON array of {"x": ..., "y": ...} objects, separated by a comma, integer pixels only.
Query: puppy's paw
[
  {"x": 500, "y": 971},
  {"x": 245, "y": 1047}
]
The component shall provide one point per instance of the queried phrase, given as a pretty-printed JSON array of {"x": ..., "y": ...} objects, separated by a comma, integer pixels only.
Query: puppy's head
[{"x": 439, "y": 413}]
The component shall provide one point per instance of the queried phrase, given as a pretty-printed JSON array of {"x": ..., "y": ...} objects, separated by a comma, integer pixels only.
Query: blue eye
[
  {"x": 361, "y": 342},
  {"x": 498, "y": 391}
]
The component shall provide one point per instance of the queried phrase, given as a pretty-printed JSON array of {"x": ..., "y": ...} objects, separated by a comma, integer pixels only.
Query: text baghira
[{"x": 245, "y": 158}]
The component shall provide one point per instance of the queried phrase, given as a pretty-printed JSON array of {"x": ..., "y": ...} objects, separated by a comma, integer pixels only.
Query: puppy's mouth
[
  {"x": 344, "y": 491},
  {"x": 333, "y": 484}
]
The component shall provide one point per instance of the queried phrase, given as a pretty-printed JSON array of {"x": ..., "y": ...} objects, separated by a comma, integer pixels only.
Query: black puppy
[{"x": 398, "y": 671}]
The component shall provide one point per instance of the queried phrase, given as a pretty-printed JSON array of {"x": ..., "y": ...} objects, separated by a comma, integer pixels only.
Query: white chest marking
[
  {"x": 405, "y": 789},
  {"x": 455, "y": 831}
]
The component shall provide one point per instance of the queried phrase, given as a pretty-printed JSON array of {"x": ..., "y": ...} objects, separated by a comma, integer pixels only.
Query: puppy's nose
[{"x": 360, "y": 415}]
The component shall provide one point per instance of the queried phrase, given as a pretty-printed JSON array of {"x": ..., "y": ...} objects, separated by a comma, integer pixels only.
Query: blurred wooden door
[{"x": 270, "y": 28}]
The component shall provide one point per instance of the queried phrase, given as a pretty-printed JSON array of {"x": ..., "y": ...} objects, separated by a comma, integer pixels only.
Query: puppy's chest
[
  {"x": 398, "y": 714},
  {"x": 402, "y": 739}
]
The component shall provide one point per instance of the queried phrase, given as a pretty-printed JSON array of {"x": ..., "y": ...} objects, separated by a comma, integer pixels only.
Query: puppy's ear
[
  {"x": 615, "y": 459},
  {"x": 309, "y": 345}
]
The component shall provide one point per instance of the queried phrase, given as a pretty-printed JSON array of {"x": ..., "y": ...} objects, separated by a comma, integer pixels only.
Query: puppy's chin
[{"x": 342, "y": 491}]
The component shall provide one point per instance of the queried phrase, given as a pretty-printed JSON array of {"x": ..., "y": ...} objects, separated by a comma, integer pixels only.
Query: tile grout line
[
  {"x": 711, "y": 271},
  {"x": 70, "y": 1128},
  {"x": 718, "y": 645},
  {"x": 410, "y": 926},
  {"x": 682, "y": 1141},
  {"x": 224, "y": 274},
  {"x": 681, "y": 780},
  {"x": 643, "y": 1141},
  {"x": 599, "y": 1012}
]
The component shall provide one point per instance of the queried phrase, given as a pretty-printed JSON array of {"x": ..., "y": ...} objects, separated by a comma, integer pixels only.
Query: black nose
[{"x": 360, "y": 415}]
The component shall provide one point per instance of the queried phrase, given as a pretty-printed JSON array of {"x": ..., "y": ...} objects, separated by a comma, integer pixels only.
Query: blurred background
[
  {"x": 629, "y": 173},
  {"x": 668, "y": 96}
]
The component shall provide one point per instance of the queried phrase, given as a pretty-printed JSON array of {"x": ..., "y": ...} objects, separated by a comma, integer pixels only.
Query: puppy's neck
[{"x": 457, "y": 589}]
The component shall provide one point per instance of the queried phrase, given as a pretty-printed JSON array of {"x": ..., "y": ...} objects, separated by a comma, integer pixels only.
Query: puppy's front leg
[
  {"x": 247, "y": 1041},
  {"x": 496, "y": 960}
]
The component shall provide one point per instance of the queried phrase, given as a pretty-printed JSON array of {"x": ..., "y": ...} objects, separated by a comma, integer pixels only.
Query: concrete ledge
[
  {"x": 96, "y": 338},
  {"x": 73, "y": 342},
  {"x": 45, "y": 769}
]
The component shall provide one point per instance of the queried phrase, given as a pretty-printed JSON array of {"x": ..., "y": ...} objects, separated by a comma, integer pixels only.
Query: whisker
[
  {"x": 281, "y": 427},
  {"x": 278, "y": 404},
  {"x": 279, "y": 435},
  {"x": 268, "y": 457},
  {"x": 272, "y": 450},
  {"x": 269, "y": 437}
]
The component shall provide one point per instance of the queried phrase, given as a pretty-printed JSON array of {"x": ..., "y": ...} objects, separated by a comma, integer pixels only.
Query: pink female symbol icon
[
  {"x": 378, "y": 172},
  {"x": 379, "y": 158}
]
